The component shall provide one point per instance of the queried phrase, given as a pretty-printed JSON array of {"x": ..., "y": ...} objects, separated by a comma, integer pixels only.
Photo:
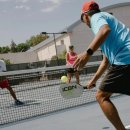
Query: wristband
[{"x": 90, "y": 51}]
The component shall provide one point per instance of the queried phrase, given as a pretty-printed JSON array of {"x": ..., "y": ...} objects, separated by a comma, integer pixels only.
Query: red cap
[{"x": 91, "y": 5}]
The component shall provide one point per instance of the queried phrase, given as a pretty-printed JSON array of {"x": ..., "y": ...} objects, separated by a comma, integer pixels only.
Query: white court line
[
  {"x": 128, "y": 126},
  {"x": 45, "y": 99},
  {"x": 35, "y": 101},
  {"x": 4, "y": 98},
  {"x": 40, "y": 100}
]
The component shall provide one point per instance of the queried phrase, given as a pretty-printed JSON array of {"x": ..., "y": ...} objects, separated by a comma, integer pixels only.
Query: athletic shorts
[
  {"x": 117, "y": 80},
  {"x": 4, "y": 84},
  {"x": 71, "y": 70}
]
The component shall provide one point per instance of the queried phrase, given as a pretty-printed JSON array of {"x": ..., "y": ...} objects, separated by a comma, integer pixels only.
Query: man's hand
[
  {"x": 81, "y": 61},
  {"x": 91, "y": 84}
]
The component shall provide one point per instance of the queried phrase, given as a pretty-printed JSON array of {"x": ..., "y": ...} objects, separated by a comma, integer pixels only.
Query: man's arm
[
  {"x": 103, "y": 66},
  {"x": 100, "y": 37},
  {"x": 94, "y": 45}
]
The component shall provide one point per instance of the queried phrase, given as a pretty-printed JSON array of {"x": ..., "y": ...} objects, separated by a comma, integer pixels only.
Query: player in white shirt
[{"x": 5, "y": 84}]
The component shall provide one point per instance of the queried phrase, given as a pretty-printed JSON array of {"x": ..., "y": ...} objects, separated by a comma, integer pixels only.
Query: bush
[{"x": 7, "y": 61}]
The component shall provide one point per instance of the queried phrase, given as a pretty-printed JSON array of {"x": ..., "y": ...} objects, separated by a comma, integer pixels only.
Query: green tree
[
  {"x": 13, "y": 46},
  {"x": 0, "y": 49},
  {"x": 60, "y": 56},
  {"x": 7, "y": 61},
  {"x": 22, "y": 47},
  {"x": 54, "y": 58},
  {"x": 5, "y": 49},
  {"x": 34, "y": 40}
]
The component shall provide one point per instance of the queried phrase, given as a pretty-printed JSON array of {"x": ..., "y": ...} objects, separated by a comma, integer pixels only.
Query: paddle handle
[{"x": 85, "y": 87}]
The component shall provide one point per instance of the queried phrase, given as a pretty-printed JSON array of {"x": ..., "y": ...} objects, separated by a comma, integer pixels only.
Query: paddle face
[{"x": 71, "y": 90}]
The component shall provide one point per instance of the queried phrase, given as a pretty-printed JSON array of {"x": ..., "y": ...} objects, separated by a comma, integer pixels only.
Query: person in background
[
  {"x": 4, "y": 84},
  {"x": 71, "y": 56},
  {"x": 113, "y": 37}
]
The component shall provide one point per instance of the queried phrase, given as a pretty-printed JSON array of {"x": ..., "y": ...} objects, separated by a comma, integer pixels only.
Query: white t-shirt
[{"x": 2, "y": 66}]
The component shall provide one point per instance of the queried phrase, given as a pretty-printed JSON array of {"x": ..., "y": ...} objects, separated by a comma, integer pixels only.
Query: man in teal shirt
[
  {"x": 113, "y": 37},
  {"x": 118, "y": 40}
]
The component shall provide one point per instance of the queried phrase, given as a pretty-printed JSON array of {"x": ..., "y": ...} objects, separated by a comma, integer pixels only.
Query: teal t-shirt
[{"x": 116, "y": 47}]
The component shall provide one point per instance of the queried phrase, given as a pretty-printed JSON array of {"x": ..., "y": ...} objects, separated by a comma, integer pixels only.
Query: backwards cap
[{"x": 91, "y": 5}]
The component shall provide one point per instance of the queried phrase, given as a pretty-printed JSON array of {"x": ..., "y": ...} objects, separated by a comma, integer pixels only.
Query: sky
[{"x": 21, "y": 19}]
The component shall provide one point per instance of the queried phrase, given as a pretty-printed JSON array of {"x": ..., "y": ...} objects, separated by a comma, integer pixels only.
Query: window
[{"x": 62, "y": 42}]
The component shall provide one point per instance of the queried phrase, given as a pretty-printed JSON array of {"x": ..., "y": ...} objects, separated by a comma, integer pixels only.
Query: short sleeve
[{"x": 97, "y": 21}]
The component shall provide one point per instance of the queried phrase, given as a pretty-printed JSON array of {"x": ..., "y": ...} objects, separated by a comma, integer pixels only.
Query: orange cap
[{"x": 91, "y": 5}]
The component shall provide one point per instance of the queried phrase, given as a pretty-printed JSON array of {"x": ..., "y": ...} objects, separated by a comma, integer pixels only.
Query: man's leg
[
  {"x": 69, "y": 77},
  {"x": 109, "y": 109},
  {"x": 12, "y": 93},
  {"x": 77, "y": 77},
  {"x": 17, "y": 102}
]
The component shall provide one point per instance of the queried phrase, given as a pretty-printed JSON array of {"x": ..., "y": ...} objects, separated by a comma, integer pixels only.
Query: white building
[{"x": 78, "y": 35}]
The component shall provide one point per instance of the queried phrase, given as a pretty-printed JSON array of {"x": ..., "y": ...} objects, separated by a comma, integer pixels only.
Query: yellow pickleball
[{"x": 64, "y": 79}]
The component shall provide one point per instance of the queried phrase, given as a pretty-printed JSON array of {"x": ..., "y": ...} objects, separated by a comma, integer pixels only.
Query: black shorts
[
  {"x": 117, "y": 80},
  {"x": 71, "y": 70}
]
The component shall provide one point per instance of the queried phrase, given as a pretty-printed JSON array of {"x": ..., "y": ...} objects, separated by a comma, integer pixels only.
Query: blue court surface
[{"x": 85, "y": 117}]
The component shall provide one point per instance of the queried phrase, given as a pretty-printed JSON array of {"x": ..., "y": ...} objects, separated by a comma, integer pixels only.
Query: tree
[
  {"x": 7, "y": 61},
  {"x": 62, "y": 55},
  {"x": 34, "y": 40},
  {"x": 22, "y": 47},
  {"x": 61, "y": 59},
  {"x": 0, "y": 49},
  {"x": 13, "y": 46},
  {"x": 5, "y": 49}
]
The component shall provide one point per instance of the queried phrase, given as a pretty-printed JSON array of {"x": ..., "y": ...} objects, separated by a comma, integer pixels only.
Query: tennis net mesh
[{"x": 39, "y": 90}]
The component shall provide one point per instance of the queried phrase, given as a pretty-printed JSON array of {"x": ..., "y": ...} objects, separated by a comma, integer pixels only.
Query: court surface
[{"x": 85, "y": 117}]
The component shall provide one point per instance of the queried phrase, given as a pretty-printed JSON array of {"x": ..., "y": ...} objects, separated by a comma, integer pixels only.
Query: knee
[
  {"x": 9, "y": 88},
  {"x": 102, "y": 96},
  {"x": 99, "y": 96},
  {"x": 69, "y": 77}
]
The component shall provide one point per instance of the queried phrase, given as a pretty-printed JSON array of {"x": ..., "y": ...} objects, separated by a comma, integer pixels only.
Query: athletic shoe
[{"x": 17, "y": 102}]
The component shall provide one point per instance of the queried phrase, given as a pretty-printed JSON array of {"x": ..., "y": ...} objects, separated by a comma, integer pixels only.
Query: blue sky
[{"x": 20, "y": 19}]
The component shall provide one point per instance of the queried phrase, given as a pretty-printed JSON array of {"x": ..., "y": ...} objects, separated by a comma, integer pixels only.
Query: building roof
[
  {"x": 116, "y": 6},
  {"x": 72, "y": 26},
  {"x": 47, "y": 41}
]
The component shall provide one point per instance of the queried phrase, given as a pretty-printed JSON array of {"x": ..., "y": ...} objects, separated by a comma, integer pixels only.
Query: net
[{"x": 39, "y": 90}]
